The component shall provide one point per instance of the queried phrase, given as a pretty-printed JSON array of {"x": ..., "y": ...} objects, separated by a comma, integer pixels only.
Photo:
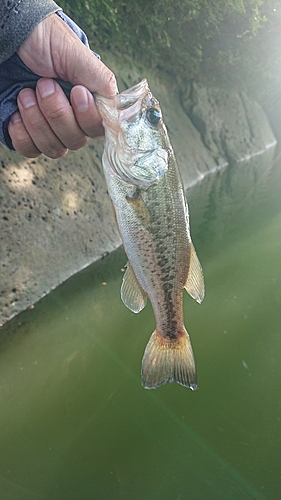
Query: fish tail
[{"x": 168, "y": 360}]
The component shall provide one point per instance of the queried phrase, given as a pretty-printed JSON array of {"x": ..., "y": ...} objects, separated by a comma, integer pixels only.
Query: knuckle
[
  {"x": 78, "y": 144},
  {"x": 24, "y": 145},
  {"x": 55, "y": 153},
  {"x": 111, "y": 81},
  {"x": 97, "y": 131},
  {"x": 56, "y": 113},
  {"x": 34, "y": 121},
  {"x": 111, "y": 78}
]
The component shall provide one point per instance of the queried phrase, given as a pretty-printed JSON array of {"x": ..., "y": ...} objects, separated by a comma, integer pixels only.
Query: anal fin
[
  {"x": 195, "y": 280},
  {"x": 132, "y": 293}
]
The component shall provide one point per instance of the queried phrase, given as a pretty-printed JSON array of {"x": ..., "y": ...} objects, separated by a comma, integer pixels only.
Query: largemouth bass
[{"x": 147, "y": 194}]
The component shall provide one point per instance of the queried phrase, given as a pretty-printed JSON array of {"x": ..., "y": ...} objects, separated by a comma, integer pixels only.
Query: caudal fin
[{"x": 168, "y": 360}]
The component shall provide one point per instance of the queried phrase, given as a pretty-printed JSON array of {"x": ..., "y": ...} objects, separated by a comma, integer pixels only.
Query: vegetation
[{"x": 214, "y": 39}]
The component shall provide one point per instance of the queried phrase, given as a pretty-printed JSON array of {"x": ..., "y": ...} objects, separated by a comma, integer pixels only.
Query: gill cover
[{"x": 135, "y": 135}]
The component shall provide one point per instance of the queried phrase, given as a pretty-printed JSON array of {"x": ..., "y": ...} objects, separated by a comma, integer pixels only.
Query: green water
[{"x": 75, "y": 422}]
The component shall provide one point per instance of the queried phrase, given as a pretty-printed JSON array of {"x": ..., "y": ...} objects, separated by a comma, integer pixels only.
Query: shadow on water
[{"x": 75, "y": 421}]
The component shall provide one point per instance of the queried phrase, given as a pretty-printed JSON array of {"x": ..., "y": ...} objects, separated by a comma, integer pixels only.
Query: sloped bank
[{"x": 56, "y": 216}]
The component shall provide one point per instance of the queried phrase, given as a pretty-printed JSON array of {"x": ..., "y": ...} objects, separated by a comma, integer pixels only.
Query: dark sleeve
[
  {"x": 18, "y": 18},
  {"x": 15, "y": 75}
]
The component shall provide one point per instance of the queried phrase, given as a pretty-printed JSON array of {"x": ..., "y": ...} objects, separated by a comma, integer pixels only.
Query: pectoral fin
[
  {"x": 132, "y": 294},
  {"x": 140, "y": 208},
  {"x": 195, "y": 281}
]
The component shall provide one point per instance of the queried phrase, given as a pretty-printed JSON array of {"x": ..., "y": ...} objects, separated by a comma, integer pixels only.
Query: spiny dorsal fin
[
  {"x": 132, "y": 294},
  {"x": 167, "y": 360},
  {"x": 195, "y": 280}
]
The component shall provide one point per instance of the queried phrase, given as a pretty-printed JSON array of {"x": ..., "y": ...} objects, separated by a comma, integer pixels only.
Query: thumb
[
  {"x": 75, "y": 63},
  {"x": 53, "y": 50}
]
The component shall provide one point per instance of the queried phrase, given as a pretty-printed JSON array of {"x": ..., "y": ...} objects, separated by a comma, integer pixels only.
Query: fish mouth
[
  {"x": 149, "y": 165},
  {"x": 141, "y": 167},
  {"x": 126, "y": 105},
  {"x": 130, "y": 96},
  {"x": 125, "y": 99}
]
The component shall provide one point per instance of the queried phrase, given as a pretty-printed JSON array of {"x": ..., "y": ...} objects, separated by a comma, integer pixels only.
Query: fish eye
[{"x": 153, "y": 115}]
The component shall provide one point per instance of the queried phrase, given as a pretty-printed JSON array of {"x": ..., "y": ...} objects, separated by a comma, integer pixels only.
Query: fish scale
[{"x": 147, "y": 194}]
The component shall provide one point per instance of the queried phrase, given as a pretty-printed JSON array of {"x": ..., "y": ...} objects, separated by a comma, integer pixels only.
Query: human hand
[{"x": 46, "y": 122}]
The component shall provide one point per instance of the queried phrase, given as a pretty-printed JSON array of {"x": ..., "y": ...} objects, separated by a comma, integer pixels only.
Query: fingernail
[
  {"x": 27, "y": 98},
  {"x": 81, "y": 99},
  {"x": 46, "y": 87},
  {"x": 16, "y": 117}
]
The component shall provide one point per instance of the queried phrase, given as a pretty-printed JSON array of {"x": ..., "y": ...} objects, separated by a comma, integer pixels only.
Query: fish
[{"x": 151, "y": 212}]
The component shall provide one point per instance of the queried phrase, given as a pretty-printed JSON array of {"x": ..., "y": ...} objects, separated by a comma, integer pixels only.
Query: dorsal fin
[
  {"x": 132, "y": 294},
  {"x": 195, "y": 281}
]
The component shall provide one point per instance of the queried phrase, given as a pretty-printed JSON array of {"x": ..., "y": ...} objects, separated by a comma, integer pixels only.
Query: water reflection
[{"x": 75, "y": 420}]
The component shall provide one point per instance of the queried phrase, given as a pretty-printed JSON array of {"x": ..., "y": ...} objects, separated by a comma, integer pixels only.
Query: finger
[
  {"x": 20, "y": 138},
  {"x": 37, "y": 126},
  {"x": 91, "y": 72},
  {"x": 75, "y": 63},
  {"x": 59, "y": 114},
  {"x": 86, "y": 112}
]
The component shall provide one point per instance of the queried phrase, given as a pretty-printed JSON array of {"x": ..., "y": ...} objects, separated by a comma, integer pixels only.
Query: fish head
[{"x": 137, "y": 146}]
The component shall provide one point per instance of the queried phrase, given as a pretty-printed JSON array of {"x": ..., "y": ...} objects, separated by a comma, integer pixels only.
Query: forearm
[{"x": 18, "y": 18}]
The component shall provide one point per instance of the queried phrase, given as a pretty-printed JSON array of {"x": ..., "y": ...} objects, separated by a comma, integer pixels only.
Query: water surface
[{"x": 75, "y": 422}]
